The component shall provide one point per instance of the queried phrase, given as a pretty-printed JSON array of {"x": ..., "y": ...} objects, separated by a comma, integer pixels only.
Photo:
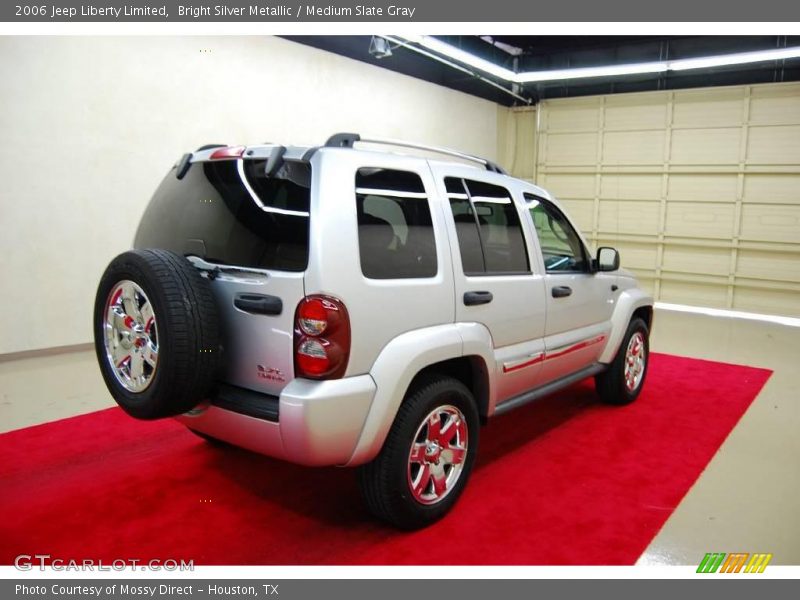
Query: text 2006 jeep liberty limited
[{"x": 361, "y": 304}]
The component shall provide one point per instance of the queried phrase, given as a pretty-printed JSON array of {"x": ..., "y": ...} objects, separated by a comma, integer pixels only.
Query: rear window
[
  {"x": 395, "y": 232},
  {"x": 230, "y": 212}
]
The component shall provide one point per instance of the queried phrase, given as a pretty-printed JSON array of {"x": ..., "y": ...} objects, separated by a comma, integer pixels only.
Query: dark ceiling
[{"x": 558, "y": 52}]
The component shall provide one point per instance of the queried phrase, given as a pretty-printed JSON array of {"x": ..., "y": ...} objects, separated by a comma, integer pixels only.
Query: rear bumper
[{"x": 319, "y": 422}]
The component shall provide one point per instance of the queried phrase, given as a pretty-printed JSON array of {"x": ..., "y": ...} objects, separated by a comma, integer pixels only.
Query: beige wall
[
  {"x": 91, "y": 124},
  {"x": 699, "y": 189}
]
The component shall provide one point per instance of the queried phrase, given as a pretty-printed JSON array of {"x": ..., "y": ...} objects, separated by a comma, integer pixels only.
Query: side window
[
  {"x": 395, "y": 231},
  {"x": 489, "y": 232},
  {"x": 561, "y": 246}
]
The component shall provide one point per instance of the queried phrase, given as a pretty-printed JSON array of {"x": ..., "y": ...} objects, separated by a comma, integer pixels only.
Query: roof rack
[{"x": 347, "y": 140}]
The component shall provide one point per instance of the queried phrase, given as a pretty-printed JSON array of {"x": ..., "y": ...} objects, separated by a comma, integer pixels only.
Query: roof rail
[{"x": 347, "y": 140}]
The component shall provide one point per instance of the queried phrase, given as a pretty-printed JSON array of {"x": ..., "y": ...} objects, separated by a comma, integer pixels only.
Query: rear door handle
[
  {"x": 474, "y": 298},
  {"x": 262, "y": 304},
  {"x": 561, "y": 291}
]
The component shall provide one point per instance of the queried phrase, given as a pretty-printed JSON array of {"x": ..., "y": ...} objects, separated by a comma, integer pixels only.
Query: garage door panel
[
  {"x": 772, "y": 189},
  {"x": 697, "y": 260},
  {"x": 708, "y": 108},
  {"x": 571, "y": 148},
  {"x": 702, "y": 186},
  {"x": 778, "y": 145},
  {"x": 637, "y": 113},
  {"x": 699, "y": 294},
  {"x": 775, "y": 106},
  {"x": 775, "y": 266},
  {"x": 713, "y": 188},
  {"x": 629, "y": 216},
  {"x": 570, "y": 186},
  {"x": 767, "y": 301},
  {"x": 633, "y": 255},
  {"x": 705, "y": 146},
  {"x": 699, "y": 220},
  {"x": 631, "y": 187},
  {"x": 633, "y": 147},
  {"x": 572, "y": 117},
  {"x": 771, "y": 223},
  {"x": 581, "y": 211}
]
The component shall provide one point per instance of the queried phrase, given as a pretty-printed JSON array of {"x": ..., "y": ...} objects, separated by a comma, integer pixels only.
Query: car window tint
[
  {"x": 230, "y": 212},
  {"x": 395, "y": 231},
  {"x": 489, "y": 231},
  {"x": 561, "y": 246}
]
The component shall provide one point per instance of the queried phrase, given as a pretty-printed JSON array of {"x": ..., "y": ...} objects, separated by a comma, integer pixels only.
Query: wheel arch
[
  {"x": 410, "y": 357},
  {"x": 631, "y": 303},
  {"x": 470, "y": 370},
  {"x": 645, "y": 313}
]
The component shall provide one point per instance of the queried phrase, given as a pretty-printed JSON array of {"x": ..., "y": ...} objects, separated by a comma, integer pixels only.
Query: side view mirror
[{"x": 607, "y": 259}]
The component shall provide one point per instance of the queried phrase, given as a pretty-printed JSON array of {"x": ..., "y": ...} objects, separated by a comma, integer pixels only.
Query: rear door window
[
  {"x": 395, "y": 230},
  {"x": 489, "y": 231}
]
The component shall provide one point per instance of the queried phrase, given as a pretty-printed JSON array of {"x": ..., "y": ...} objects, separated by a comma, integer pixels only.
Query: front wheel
[
  {"x": 427, "y": 457},
  {"x": 622, "y": 382}
]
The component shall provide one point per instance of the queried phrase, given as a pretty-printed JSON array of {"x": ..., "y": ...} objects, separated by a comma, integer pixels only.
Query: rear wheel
[
  {"x": 622, "y": 382},
  {"x": 427, "y": 457}
]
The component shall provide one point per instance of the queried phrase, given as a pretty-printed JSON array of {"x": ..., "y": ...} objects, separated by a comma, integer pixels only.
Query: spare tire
[{"x": 156, "y": 333}]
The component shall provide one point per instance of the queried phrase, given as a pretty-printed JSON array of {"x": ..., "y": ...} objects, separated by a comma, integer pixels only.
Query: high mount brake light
[
  {"x": 321, "y": 338},
  {"x": 229, "y": 152}
]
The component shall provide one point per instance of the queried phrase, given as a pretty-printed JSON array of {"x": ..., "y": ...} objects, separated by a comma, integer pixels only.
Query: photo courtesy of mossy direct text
[{"x": 60, "y": 589}]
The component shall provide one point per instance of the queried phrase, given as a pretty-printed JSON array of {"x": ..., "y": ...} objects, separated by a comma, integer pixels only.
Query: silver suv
[{"x": 361, "y": 304}]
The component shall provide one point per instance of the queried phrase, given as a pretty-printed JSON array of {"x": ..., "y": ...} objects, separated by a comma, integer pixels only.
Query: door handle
[
  {"x": 561, "y": 291},
  {"x": 261, "y": 304},
  {"x": 474, "y": 298}
]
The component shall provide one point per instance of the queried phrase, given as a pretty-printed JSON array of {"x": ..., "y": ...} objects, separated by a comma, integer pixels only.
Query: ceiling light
[
  {"x": 579, "y": 73},
  {"x": 508, "y": 75},
  {"x": 740, "y": 58},
  {"x": 477, "y": 62},
  {"x": 507, "y": 48}
]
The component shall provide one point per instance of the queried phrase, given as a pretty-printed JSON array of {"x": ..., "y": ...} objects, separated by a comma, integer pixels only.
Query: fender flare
[
  {"x": 397, "y": 365},
  {"x": 628, "y": 301}
]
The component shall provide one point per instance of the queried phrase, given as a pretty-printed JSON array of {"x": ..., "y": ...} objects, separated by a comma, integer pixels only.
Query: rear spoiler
[{"x": 274, "y": 154}]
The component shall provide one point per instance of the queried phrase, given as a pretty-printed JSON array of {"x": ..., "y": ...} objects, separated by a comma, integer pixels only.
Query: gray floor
[{"x": 747, "y": 500}]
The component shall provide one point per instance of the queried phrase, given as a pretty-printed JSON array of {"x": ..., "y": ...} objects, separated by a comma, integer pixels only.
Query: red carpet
[{"x": 567, "y": 481}]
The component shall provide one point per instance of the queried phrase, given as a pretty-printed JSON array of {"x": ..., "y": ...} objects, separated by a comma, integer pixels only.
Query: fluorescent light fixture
[
  {"x": 477, "y": 62},
  {"x": 406, "y": 42},
  {"x": 740, "y": 58},
  {"x": 510, "y": 76},
  {"x": 580, "y": 73}
]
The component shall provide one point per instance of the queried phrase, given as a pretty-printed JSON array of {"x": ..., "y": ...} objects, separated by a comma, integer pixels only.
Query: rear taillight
[
  {"x": 229, "y": 152},
  {"x": 321, "y": 338}
]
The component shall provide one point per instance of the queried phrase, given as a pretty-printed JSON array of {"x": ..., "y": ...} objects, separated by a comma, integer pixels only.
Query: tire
[
  {"x": 387, "y": 483},
  {"x": 612, "y": 385},
  {"x": 156, "y": 307}
]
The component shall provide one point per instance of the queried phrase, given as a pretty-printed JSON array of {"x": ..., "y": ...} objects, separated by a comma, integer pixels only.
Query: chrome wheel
[
  {"x": 131, "y": 336},
  {"x": 437, "y": 455},
  {"x": 635, "y": 359}
]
